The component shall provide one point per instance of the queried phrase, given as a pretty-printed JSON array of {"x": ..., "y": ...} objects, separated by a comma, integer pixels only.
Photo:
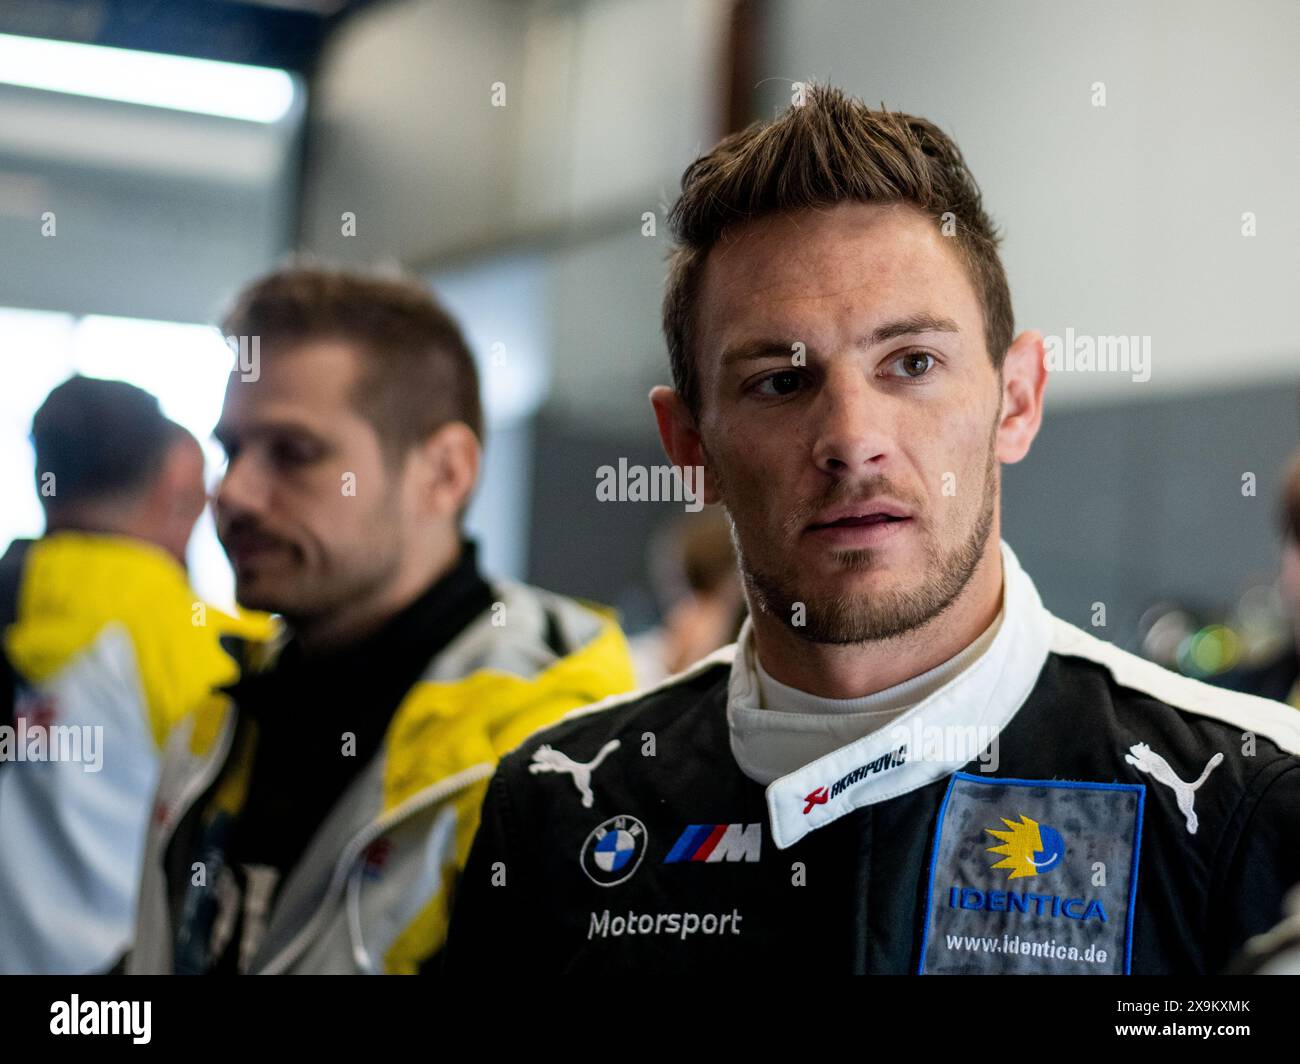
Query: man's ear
[
  {"x": 450, "y": 460},
  {"x": 680, "y": 437},
  {"x": 1024, "y": 376}
]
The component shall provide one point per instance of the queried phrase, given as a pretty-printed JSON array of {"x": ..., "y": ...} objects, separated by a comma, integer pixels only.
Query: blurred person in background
[
  {"x": 1280, "y": 678},
  {"x": 1277, "y": 951},
  {"x": 106, "y": 648},
  {"x": 693, "y": 569},
  {"x": 316, "y": 822}
]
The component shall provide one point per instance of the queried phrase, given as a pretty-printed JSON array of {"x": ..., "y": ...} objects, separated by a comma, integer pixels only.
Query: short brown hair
[
  {"x": 833, "y": 149},
  {"x": 418, "y": 373}
]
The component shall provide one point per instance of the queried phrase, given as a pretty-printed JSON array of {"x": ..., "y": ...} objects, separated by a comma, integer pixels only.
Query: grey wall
[
  {"x": 580, "y": 545},
  {"x": 1129, "y": 504}
]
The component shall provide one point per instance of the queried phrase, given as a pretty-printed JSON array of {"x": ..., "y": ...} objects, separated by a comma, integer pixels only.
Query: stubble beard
[
  {"x": 843, "y": 618},
  {"x": 305, "y": 599}
]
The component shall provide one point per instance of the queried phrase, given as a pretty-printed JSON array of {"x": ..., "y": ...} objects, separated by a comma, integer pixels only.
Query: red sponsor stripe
[{"x": 715, "y": 836}]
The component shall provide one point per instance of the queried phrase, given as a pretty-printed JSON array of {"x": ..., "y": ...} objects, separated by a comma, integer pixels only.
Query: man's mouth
[
  {"x": 859, "y": 520},
  {"x": 251, "y": 548},
  {"x": 862, "y": 515},
  {"x": 860, "y": 525}
]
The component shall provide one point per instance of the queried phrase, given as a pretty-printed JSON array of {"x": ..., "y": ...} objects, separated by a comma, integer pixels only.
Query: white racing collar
[{"x": 933, "y": 739}]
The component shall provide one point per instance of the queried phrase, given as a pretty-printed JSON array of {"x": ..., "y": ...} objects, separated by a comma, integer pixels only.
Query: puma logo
[
  {"x": 548, "y": 759},
  {"x": 1148, "y": 761}
]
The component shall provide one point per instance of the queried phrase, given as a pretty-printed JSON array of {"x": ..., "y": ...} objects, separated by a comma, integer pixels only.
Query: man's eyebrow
[
  {"x": 909, "y": 326},
  {"x": 281, "y": 427},
  {"x": 751, "y": 350},
  {"x": 766, "y": 347}
]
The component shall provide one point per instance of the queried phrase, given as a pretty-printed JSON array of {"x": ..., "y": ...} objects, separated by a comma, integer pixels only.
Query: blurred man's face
[
  {"x": 178, "y": 498},
  {"x": 311, "y": 516},
  {"x": 862, "y": 483}
]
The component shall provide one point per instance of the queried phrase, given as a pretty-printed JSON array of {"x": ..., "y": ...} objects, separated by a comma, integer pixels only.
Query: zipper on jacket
[
  {"x": 443, "y": 827},
  {"x": 439, "y": 792},
  {"x": 193, "y": 790}
]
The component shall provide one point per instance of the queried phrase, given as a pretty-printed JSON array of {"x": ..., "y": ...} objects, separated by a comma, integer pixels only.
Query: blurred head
[
  {"x": 1290, "y": 514},
  {"x": 693, "y": 564},
  {"x": 108, "y": 461},
  {"x": 693, "y": 555},
  {"x": 840, "y": 331},
  {"x": 353, "y": 448}
]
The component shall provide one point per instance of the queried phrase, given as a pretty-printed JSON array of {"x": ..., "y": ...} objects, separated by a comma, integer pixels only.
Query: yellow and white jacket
[
  {"x": 113, "y": 649},
  {"x": 372, "y": 891}
]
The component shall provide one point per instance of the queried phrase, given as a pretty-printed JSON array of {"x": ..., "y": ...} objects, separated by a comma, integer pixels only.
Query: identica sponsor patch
[{"x": 1033, "y": 877}]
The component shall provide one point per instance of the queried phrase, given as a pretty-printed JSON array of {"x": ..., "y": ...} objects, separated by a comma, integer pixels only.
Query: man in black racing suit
[{"x": 905, "y": 764}]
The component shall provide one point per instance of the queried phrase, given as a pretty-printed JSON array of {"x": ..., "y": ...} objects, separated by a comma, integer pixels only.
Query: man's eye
[
  {"x": 290, "y": 452},
  {"x": 914, "y": 364},
  {"x": 784, "y": 383}
]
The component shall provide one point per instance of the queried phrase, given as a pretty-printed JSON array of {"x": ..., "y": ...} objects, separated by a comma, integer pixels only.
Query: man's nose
[
  {"x": 243, "y": 488},
  {"x": 854, "y": 425}
]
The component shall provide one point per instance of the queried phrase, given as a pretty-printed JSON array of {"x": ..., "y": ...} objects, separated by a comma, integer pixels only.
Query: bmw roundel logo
[{"x": 613, "y": 850}]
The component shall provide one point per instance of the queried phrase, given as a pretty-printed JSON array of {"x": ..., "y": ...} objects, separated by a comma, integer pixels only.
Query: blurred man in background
[
  {"x": 1280, "y": 677},
  {"x": 693, "y": 571},
  {"x": 106, "y": 647},
  {"x": 318, "y": 821}
]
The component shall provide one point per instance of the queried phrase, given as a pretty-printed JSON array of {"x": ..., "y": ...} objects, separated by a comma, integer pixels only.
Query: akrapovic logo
[{"x": 881, "y": 764}]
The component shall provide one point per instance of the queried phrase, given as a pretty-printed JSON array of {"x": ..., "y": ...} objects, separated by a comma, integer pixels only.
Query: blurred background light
[{"x": 179, "y": 83}]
